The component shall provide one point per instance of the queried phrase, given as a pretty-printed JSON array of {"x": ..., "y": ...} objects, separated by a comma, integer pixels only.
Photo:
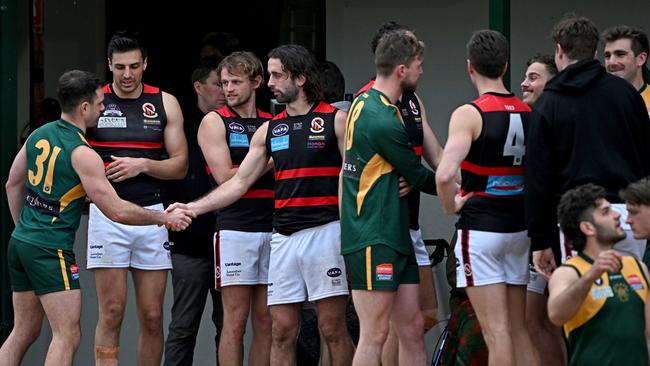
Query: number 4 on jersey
[{"x": 514, "y": 145}]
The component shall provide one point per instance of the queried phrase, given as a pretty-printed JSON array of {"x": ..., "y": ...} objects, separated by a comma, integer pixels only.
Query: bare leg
[
  {"x": 374, "y": 309},
  {"x": 333, "y": 327},
  {"x": 428, "y": 301},
  {"x": 149, "y": 296},
  {"x": 28, "y": 316},
  {"x": 548, "y": 337},
  {"x": 525, "y": 353},
  {"x": 261, "y": 320},
  {"x": 236, "y": 302},
  {"x": 491, "y": 307},
  {"x": 407, "y": 319},
  {"x": 286, "y": 320},
  {"x": 111, "y": 296},
  {"x": 63, "y": 310}
]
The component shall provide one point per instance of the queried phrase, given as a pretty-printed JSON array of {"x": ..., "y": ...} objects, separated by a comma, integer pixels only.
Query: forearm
[
  {"x": 172, "y": 168},
  {"x": 132, "y": 214},
  {"x": 16, "y": 200},
  {"x": 447, "y": 189},
  {"x": 220, "y": 197},
  {"x": 564, "y": 306}
]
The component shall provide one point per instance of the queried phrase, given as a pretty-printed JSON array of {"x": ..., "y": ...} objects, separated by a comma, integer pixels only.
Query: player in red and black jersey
[
  {"x": 242, "y": 241},
  {"x": 141, "y": 141},
  {"x": 306, "y": 143},
  {"x": 486, "y": 142}
]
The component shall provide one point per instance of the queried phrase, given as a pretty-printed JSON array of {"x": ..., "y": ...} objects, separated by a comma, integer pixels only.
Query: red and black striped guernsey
[
  {"x": 132, "y": 128},
  {"x": 254, "y": 211},
  {"x": 307, "y": 165},
  {"x": 494, "y": 166}
]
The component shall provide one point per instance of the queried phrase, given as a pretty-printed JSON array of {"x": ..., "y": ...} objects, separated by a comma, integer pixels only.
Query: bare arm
[
  {"x": 431, "y": 148},
  {"x": 251, "y": 169},
  {"x": 214, "y": 145},
  {"x": 567, "y": 290},
  {"x": 15, "y": 186},
  {"x": 464, "y": 127},
  {"x": 339, "y": 130},
  {"x": 174, "y": 167},
  {"x": 90, "y": 169}
]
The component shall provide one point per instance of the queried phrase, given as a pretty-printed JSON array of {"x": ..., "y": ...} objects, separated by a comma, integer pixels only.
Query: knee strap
[{"x": 104, "y": 353}]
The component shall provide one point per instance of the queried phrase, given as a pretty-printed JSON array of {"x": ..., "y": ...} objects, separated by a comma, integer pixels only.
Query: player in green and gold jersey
[
  {"x": 48, "y": 182},
  {"x": 599, "y": 296},
  {"x": 375, "y": 238}
]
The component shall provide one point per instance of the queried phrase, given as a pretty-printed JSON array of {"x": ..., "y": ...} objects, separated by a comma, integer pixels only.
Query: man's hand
[
  {"x": 124, "y": 168},
  {"x": 178, "y": 219},
  {"x": 607, "y": 261},
  {"x": 404, "y": 187},
  {"x": 544, "y": 262},
  {"x": 460, "y": 200}
]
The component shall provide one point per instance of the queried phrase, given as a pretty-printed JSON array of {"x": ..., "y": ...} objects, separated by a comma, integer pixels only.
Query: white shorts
[
  {"x": 241, "y": 258},
  {"x": 486, "y": 258},
  {"x": 536, "y": 283},
  {"x": 114, "y": 245},
  {"x": 307, "y": 265},
  {"x": 421, "y": 253}
]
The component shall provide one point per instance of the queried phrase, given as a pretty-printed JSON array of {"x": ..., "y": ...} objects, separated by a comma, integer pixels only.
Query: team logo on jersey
[
  {"x": 113, "y": 110},
  {"x": 149, "y": 110},
  {"x": 251, "y": 128},
  {"x": 622, "y": 291},
  {"x": 317, "y": 125},
  {"x": 635, "y": 282},
  {"x": 74, "y": 270},
  {"x": 236, "y": 127},
  {"x": 280, "y": 130},
  {"x": 297, "y": 126},
  {"x": 598, "y": 282},
  {"x": 384, "y": 272},
  {"x": 414, "y": 108}
]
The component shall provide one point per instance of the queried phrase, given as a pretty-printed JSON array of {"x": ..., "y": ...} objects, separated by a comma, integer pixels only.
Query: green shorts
[
  {"x": 380, "y": 267},
  {"x": 42, "y": 270}
]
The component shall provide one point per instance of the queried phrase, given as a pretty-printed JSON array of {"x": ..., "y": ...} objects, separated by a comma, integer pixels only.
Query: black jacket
[{"x": 587, "y": 127}]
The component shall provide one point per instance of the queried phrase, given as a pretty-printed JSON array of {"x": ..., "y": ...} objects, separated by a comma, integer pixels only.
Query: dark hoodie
[{"x": 587, "y": 127}]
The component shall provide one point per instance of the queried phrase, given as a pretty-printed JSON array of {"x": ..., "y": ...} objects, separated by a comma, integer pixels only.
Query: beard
[
  {"x": 287, "y": 96},
  {"x": 608, "y": 236},
  {"x": 408, "y": 87},
  {"x": 239, "y": 101}
]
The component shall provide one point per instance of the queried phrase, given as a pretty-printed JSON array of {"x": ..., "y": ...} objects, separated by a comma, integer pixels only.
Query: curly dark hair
[
  {"x": 297, "y": 60},
  {"x": 577, "y": 205},
  {"x": 387, "y": 27},
  {"x": 547, "y": 60}
]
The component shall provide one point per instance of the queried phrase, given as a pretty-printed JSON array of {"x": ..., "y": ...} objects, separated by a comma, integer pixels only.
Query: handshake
[{"x": 178, "y": 216}]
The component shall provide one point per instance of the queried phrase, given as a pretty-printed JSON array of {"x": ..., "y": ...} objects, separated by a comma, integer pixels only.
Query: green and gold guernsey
[
  {"x": 609, "y": 327},
  {"x": 377, "y": 152},
  {"x": 55, "y": 196}
]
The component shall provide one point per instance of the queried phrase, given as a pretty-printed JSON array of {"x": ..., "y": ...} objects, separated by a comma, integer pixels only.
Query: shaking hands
[{"x": 178, "y": 216}]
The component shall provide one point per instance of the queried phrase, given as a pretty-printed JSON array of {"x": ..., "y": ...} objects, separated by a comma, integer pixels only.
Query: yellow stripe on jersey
[
  {"x": 391, "y": 105},
  {"x": 373, "y": 170},
  {"x": 74, "y": 193},
  {"x": 83, "y": 138},
  {"x": 369, "y": 268},
  {"x": 64, "y": 271}
]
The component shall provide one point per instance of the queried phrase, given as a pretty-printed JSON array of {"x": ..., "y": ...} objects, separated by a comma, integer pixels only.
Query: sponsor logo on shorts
[
  {"x": 74, "y": 270},
  {"x": 635, "y": 282},
  {"x": 384, "y": 272},
  {"x": 468, "y": 269},
  {"x": 232, "y": 264},
  {"x": 336, "y": 282},
  {"x": 334, "y": 272},
  {"x": 217, "y": 271},
  {"x": 317, "y": 125}
]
